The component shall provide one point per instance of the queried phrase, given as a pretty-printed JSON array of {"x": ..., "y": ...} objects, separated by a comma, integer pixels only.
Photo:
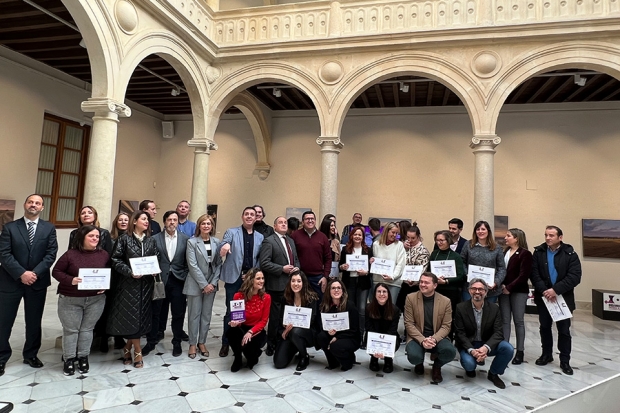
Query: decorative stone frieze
[
  {"x": 486, "y": 64},
  {"x": 105, "y": 105},
  {"x": 202, "y": 145},
  {"x": 126, "y": 16},
  {"x": 331, "y": 72}
]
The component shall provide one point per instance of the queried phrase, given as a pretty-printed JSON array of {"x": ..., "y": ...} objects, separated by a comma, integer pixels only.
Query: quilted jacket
[{"x": 130, "y": 315}]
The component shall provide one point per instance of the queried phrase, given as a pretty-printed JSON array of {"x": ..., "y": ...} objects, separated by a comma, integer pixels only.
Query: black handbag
[{"x": 159, "y": 289}]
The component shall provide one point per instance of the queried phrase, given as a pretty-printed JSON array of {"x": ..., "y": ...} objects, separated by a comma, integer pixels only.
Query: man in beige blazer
[{"x": 428, "y": 319}]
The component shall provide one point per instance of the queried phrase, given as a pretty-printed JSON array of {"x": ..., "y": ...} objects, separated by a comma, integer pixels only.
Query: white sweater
[{"x": 395, "y": 252}]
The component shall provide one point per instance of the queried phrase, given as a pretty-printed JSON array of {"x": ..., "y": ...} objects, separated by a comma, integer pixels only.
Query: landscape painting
[
  {"x": 500, "y": 229},
  {"x": 7, "y": 211},
  {"x": 601, "y": 238}
]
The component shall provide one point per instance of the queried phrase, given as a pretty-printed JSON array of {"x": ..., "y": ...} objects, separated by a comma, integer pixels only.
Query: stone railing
[{"x": 325, "y": 19}]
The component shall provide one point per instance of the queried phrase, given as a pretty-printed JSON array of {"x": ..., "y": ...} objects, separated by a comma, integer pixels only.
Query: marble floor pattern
[{"x": 179, "y": 384}]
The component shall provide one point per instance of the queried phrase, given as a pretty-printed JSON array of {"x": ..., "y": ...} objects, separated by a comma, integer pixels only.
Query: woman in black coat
[
  {"x": 382, "y": 317},
  {"x": 130, "y": 315}
]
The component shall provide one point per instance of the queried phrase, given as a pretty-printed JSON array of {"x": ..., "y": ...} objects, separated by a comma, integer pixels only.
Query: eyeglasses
[
  {"x": 336, "y": 288},
  {"x": 477, "y": 290},
  {"x": 382, "y": 292}
]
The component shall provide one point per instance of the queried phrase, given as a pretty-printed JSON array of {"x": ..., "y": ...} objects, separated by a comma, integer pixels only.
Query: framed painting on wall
[
  {"x": 212, "y": 212},
  {"x": 601, "y": 238},
  {"x": 128, "y": 207},
  {"x": 500, "y": 225},
  {"x": 7, "y": 211}
]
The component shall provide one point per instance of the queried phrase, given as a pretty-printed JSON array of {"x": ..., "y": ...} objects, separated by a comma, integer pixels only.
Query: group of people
[{"x": 280, "y": 284}]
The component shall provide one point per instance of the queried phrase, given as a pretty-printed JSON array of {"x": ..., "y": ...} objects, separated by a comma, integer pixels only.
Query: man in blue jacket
[{"x": 556, "y": 271}]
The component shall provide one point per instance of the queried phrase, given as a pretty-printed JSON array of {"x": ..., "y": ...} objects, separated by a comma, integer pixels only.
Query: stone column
[
  {"x": 484, "y": 150},
  {"x": 330, "y": 148},
  {"x": 200, "y": 178},
  {"x": 99, "y": 184}
]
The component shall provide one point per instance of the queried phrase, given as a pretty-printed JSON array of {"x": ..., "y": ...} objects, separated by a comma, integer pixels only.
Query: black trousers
[
  {"x": 546, "y": 336},
  {"x": 177, "y": 301},
  {"x": 275, "y": 316},
  {"x": 297, "y": 340},
  {"x": 342, "y": 351},
  {"x": 252, "y": 350},
  {"x": 34, "y": 303}
]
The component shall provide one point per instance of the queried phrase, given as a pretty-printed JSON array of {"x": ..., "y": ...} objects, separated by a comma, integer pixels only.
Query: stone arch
[
  {"x": 599, "y": 56},
  {"x": 265, "y": 71},
  {"x": 101, "y": 44},
  {"x": 430, "y": 65},
  {"x": 182, "y": 59},
  {"x": 250, "y": 107}
]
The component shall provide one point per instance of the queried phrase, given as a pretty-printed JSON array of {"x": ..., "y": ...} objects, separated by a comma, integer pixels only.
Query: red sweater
[
  {"x": 314, "y": 252},
  {"x": 68, "y": 267},
  {"x": 256, "y": 311}
]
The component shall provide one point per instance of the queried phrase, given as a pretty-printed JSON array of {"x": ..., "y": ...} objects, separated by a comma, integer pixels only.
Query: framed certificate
[
  {"x": 144, "y": 265},
  {"x": 445, "y": 269},
  {"x": 412, "y": 273},
  {"x": 486, "y": 273},
  {"x": 357, "y": 262},
  {"x": 558, "y": 310},
  {"x": 382, "y": 267},
  {"x": 297, "y": 316},
  {"x": 94, "y": 279},
  {"x": 381, "y": 344},
  {"x": 237, "y": 310},
  {"x": 335, "y": 321}
]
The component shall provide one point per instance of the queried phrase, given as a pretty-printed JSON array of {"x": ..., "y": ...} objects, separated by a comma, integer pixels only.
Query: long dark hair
[
  {"x": 325, "y": 228},
  {"x": 247, "y": 287},
  {"x": 80, "y": 235},
  {"x": 132, "y": 222},
  {"x": 374, "y": 308},
  {"x": 327, "y": 297},
  {"x": 307, "y": 295},
  {"x": 349, "y": 247}
]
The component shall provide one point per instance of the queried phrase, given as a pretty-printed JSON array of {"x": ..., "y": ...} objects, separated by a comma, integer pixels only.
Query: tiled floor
[{"x": 179, "y": 384}]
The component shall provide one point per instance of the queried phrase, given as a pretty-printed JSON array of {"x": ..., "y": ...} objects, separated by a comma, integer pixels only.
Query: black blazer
[
  {"x": 178, "y": 266},
  {"x": 491, "y": 329},
  {"x": 18, "y": 256},
  {"x": 363, "y": 282},
  {"x": 272, "y": 257},
  {"x": 518, "y": 271}
]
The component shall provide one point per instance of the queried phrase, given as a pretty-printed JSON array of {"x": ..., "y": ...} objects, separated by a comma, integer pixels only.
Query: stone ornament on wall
[
  {"x": 213, "y": 73},
  {"x": 491, "y": 141},
  {"x": 331, "y": 72},
  {"x": 486, "y": 64},
  {"x": 126, "y": 16}
]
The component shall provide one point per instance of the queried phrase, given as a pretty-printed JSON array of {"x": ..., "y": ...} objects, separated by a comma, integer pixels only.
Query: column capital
[
  {"x": 485, "y": 142},
  {"x": 104, "y": 106},
  {"x": 330, "y": 143},
  {"x": 202, "y": 145}
]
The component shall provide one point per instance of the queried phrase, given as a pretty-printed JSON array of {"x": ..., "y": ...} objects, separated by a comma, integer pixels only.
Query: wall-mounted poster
[
  {"x": 212, "y": 212},
  {"x": 601, "y": 238},
  {"x": 128, "y": 207},
  {"x": 500, "y": 229},
  {"x": 7, "y": 211}
]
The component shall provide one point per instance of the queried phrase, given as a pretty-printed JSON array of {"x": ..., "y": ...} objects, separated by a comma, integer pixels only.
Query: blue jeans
[
  {"x": 503, "y": 354},
  {"x": 231, "y": 289}
]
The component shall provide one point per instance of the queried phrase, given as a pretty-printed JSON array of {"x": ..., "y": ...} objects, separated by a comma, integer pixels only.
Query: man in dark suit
[
  {"x": 278, "y": 259},
  {"x": 28, "y": 249},
  {"x": 479, "y": 334},
  {"x": 172, "y": 245},
  {"x": 556, "y": 270},
  {"x": 150, "y": 208}
]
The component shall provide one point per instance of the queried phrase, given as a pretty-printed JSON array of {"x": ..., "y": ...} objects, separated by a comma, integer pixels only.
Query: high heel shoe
[
  {"x": 126, "y": 356},
  {"x": 191, "y": 354},
  {"x": 138, "y": 363},
  {"x": 205, "y": 352}
]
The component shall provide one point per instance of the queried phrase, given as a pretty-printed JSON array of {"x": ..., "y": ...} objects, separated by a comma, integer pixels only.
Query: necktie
[
  {"x": 289, "y": 250},
  {"x": 31, "y": 232}
]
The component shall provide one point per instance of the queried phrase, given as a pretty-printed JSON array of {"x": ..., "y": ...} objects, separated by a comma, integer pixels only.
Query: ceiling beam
[
  {"x": 379, "y": 95},
  {"x": 541, "y": 89},
  {"x": 520, "y": 89},
  {"x": 600, "y": 89},
  {"x": 395, "y": 90},
  {"x": 429, "y": 93},
  {"x": 446, "y": 96},
  {"x": 559, "y": 90}
]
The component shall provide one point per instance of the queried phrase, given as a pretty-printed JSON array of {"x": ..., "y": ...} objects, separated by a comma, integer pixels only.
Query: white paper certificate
[
  {"x": 335, "y": 271},
  {"x": 357, "y": 262},
  {"x": 486, "y": 273},
  {"x": 297, "y": 316},
  {"x": 382, "y": 267},
  {"x": 558, "y": 310},
  {"x": 381, "y": 344},
  {"x": 94, "y": 279},
  {"x": 335, "y": 321},
  {"x": 445, "y": 269},
  {"x": 412, "y": 273},
  {"x": 144, "y": 265}
]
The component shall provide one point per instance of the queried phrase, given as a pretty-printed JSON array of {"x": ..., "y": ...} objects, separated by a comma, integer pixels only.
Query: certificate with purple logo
[{"x": 237, "y": 310}]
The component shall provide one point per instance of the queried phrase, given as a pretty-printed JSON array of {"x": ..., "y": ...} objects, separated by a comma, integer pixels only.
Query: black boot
[
  {"x": 374, "y": 364},
  {"x": 518, "y": 359},
  {"x": 83, "y": 365},
  {"x": 388, "y": 367},
  {"x": 237, "y": 363}
]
